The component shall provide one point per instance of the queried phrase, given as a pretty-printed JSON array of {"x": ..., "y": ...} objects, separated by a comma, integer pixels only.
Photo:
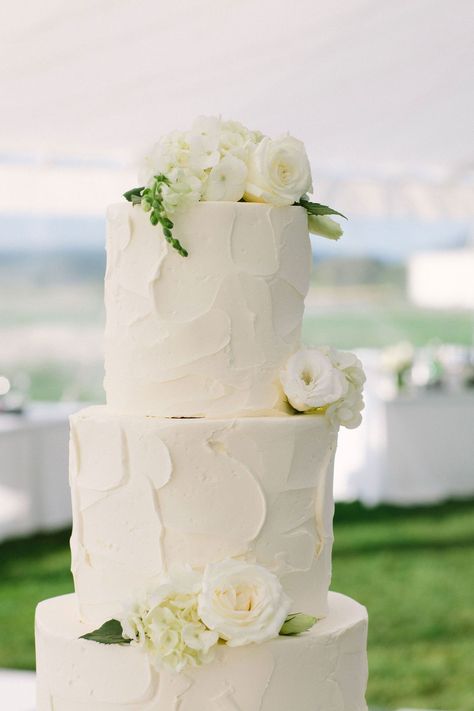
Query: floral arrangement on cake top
[
  {"x": 224, "y": 161},
  {"x": 326, "y": 381},
  {"x": 181, "y": 622}
]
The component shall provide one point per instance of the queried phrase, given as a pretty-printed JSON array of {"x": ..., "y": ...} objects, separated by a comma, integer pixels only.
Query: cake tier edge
[
  {"x": 151, "y": 493},
  {"x": 324, "y": 669},
  {"x": 205, "y": 335}
]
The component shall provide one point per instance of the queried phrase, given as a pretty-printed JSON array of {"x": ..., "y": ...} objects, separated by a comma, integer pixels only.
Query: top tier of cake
[{"x": 205, "y": 335}]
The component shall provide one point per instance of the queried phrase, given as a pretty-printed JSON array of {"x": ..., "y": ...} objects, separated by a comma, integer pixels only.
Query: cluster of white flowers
[
  {"x": 399, "y": 357},
  {"x": 223, "y": 160},
  {"x": 167, "y": 624},
  {"x": 182, "y": 621},
  {"x": 326, "y": 380}
]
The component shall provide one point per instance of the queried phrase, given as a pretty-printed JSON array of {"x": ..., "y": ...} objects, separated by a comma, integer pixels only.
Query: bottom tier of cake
[{"x": 322, "y": 670}]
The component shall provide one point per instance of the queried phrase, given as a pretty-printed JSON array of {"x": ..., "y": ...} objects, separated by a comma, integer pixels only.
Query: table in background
[
  {"x": 411, "y": 449},
  {"x": 34, "y": 487}
]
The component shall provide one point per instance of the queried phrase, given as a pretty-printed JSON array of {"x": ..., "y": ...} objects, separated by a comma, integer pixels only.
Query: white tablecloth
[
  {"x": 411, "y": 449},
  {"x": 34, "y": 488},
  {"x": 17, "y": 690}
]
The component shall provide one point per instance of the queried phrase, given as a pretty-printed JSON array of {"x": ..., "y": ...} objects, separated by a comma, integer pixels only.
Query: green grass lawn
[
  {"x": 377, "y": 326},
  {"x": 414, "y": 571},
  {"x": 412, "y": 568}
]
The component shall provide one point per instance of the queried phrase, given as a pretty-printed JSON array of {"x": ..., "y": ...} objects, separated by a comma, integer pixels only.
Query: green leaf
[
  {"x": 315, "y": 208},
  {"x": 133, "y": 193},
  {"x": 111, "y": 632},
  {"x": 162, "y": 178},
  {"x": 297, "y": 623}
]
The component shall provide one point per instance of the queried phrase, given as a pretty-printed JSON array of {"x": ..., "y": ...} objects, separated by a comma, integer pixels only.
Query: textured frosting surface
[
  {"x": 208, "y": 334},
  {"x": 322, "y": 670},
  {"x": 149, "y": 493}
]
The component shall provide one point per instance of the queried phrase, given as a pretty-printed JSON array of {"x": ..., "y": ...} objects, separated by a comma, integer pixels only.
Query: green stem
[{"x": 151, "y": 200}]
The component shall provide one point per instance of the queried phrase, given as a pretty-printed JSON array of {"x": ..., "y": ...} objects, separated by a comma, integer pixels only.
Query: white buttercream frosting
[
  {"x": 205, "y": 335},
  {"x": 202, "y": 339},
  {"x": 322, "y": 670},
  {"x": 150, "y": 493}
]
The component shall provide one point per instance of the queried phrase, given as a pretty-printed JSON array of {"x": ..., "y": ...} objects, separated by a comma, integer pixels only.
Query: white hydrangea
[
  {"x": 132, "y": 620},
  {"x": 349, "y": 363},
  {"x": 168, "y": 155},
  {"x": 327, "y": 380},
  {"x": 347, "y": 412},
  {"x": 226, "y": 180},
  {"x": 224, "y": 160},
  {"x": 208, "y": 162},
  {"x": 168, "y": 625},
  {"x": 184, "y": 190},
  {"x": 203, "y": 140},
  {"x": 237, "y": 140}
]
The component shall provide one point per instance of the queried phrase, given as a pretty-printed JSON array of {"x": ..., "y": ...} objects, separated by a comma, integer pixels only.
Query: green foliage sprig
[
  {"x": 315, "y": 208},
  {"x": 110, "y": 632},
  {"x": 151, "y": 200}
]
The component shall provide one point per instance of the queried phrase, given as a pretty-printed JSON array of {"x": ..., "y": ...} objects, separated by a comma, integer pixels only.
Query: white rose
[
  {"x": 226, "y": 181},
  {"x": 310, "y": 380},
  {"x": 279, "y": 172},
  {"x": 242, "y": 602}
]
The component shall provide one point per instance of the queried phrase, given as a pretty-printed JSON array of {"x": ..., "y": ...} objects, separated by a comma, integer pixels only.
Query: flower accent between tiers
[
  {"x": 181, "y": 622},
  {"x": 325, "y": 380}
]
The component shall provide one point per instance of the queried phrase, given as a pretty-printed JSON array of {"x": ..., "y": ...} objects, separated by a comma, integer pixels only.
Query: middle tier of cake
[{"x": 152, "y": 493}]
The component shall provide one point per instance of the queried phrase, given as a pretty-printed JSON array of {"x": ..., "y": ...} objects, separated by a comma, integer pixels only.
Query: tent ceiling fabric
[{"x": 378, "y": 91}]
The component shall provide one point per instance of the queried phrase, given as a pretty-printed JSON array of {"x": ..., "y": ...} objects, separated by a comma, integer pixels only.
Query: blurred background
[{"x": 381, "y": 94}]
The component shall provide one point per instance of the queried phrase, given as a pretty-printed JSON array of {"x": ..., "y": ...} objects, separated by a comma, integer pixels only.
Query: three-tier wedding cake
[{"x": 202, "y": 491}]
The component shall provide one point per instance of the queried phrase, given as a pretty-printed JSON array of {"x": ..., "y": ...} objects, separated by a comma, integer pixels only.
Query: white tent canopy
[{"x": 379, "y": 92}]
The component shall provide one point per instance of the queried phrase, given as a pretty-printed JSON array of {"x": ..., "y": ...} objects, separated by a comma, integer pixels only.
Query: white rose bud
[
  {"x": 324, "y": 226},
  {"x": 310, "y": 380},
  {"x": 278, "y": 172},
  {"x": 244, "y": 603}
]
